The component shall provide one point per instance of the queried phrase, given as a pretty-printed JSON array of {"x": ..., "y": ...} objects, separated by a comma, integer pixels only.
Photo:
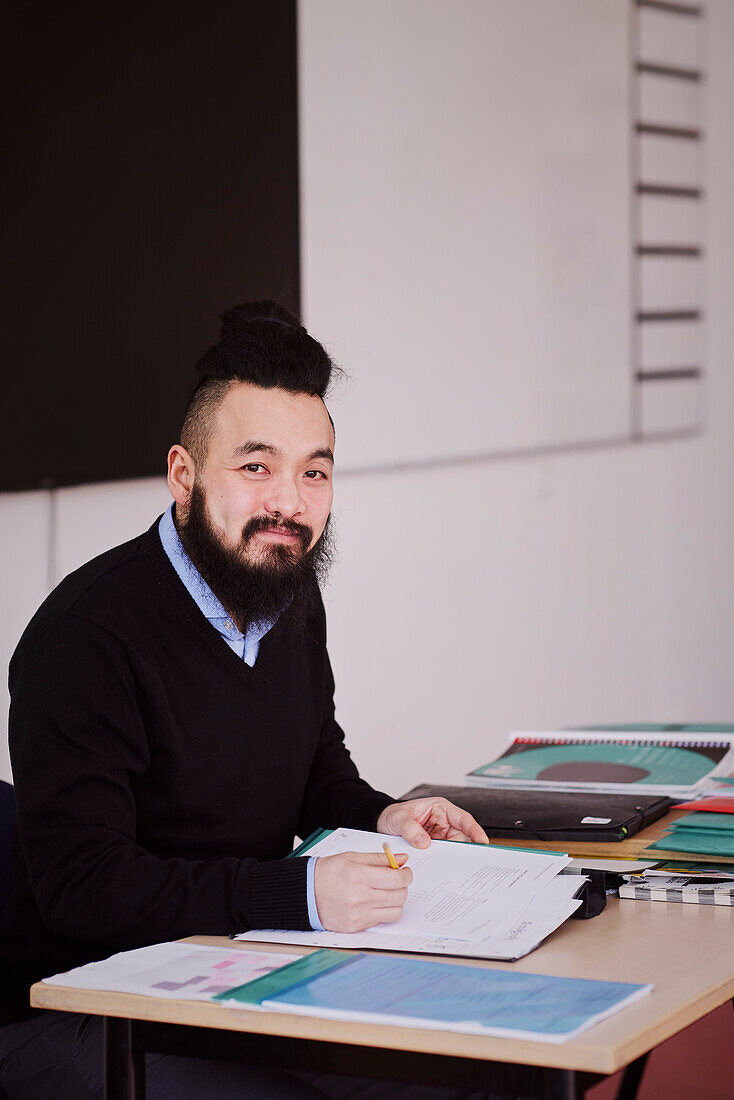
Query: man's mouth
[{"x": 278, "y": 534}]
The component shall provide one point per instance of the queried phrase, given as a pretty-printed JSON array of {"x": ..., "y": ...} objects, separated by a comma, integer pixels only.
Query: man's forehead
[{"x": 275, "y": 416}]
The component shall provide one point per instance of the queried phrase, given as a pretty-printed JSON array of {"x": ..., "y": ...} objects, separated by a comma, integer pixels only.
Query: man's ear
[{"x": 181, "y": 473}]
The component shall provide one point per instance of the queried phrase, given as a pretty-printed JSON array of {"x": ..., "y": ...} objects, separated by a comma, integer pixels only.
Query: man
[{"x": 172, "y": 724}]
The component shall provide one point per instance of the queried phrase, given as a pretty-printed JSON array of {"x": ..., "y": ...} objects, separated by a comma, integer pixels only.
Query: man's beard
[{"x": 284, "y": 581}]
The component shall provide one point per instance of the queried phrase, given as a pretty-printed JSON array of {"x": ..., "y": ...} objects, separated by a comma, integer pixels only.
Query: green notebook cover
[
  {"x": 708, "y": 822},
  {"x": 309, "y": 842}
]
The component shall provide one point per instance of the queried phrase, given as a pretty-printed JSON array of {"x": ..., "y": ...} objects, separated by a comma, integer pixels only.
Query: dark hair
[{"x": 260, "y": 343}]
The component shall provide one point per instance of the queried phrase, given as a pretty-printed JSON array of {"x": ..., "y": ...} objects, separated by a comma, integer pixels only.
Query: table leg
[
  {"x": 124, "y": 1067},
  {"x": 562, "y": 1084},
  {"x": 631, "y": 1079}
]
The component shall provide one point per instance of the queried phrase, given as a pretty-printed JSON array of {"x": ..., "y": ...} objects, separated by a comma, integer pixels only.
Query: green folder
[
  {"x": 708, "y": 822},
  {"x": 695, "y": 840}
]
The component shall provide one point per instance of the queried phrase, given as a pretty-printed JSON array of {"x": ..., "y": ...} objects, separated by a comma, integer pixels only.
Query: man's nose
[{"x": 284, "y": 498}]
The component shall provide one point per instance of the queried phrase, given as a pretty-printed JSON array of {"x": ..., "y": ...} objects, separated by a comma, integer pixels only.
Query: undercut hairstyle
[{"x": 260, "y": 343}]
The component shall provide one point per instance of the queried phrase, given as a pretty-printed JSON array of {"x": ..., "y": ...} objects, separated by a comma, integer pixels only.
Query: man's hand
[
  {"x": 423, "y": 819},
  {"x": 355, "y": 890}
]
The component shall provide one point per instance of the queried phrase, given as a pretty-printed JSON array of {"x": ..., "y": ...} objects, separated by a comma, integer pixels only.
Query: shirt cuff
[{"x": 313, "y": 913}]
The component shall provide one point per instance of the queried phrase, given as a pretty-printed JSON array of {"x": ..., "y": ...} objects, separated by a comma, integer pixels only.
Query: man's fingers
[
  {"x": 396, "y": 880},
  {"x": 387, "y": 916},
  {"x": 390, "y": 898},
  {"x": 355, "y": 890},
  {"x": 415, "y": 834},
  {"x": 378, "y": 875},
  {"x": 469, "y": 827},
  {"x": 378, "y": 859},
  {"x": 461, "y": 821}
]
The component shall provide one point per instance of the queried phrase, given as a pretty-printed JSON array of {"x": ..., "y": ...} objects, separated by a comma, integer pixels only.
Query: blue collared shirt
[{"x": 246, "y": 646}]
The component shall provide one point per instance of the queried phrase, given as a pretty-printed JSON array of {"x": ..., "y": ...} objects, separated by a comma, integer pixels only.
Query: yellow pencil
[{"x": 390, "y": 857}]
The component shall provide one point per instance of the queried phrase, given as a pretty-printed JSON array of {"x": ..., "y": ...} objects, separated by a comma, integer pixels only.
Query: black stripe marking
[
  {"x": 661, "y": 130},
  {"x": 675, "y": 72},
  {"x": 690, "y": 250},
  {"x": 669, "y": 374},
  {"x": 672, "y": 8},
  {"x": 668, "y": 315},
  {"x": 669, "y": 190}
]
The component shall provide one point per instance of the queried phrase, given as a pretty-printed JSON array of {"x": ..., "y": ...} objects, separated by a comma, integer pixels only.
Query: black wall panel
[{"x": 151, "y": 180}]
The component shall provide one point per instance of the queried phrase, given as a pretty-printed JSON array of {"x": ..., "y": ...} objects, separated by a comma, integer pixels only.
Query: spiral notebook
[{"x": 676, "y": 763}]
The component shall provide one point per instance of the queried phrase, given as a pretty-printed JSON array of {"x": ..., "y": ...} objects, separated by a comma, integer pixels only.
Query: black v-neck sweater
[{"x": 160, "y": 780}]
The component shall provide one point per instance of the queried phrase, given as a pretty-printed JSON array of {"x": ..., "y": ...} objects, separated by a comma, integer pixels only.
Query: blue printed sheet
[{"x": 422, "y": 993}]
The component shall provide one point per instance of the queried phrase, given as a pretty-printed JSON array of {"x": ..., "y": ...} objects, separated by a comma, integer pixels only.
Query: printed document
[
  {"x": 474, "y": 900},
  {"x": 465, "y": 891},
  {"x": 420, "y": 993}
]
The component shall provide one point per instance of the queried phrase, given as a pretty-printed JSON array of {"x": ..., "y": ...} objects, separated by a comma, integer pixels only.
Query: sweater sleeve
[
  {"x": 78, "y": 746},
  {"x": 336, "y": 795}
]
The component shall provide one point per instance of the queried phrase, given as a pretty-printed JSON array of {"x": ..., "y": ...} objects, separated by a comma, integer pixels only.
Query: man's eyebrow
[
  {"x": 322, "y": 452},
  {"x": 250, "y": 446},
  {"x": 258, "y": 446}
]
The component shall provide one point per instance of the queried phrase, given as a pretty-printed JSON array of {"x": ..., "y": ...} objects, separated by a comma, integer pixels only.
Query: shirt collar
[{"x": 190, "y": 576}]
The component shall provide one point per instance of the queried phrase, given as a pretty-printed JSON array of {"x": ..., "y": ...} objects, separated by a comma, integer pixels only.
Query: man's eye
[
  {"x": 253, "y": 467},
  {"x": 315, "y": 475}
]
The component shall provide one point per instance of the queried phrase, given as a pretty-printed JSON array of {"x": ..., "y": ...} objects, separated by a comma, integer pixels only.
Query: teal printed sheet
[{"x": 609, "y": 761}]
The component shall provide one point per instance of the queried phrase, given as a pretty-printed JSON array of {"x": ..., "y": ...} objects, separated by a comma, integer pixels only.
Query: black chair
[{"x": 7, "y": 824}]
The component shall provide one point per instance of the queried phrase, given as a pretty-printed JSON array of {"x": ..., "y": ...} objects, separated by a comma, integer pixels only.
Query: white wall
[
  {"x": 24, "y": 522},
  {"x": 465, "y": 167},
  {"x": 475, "y": 597}
]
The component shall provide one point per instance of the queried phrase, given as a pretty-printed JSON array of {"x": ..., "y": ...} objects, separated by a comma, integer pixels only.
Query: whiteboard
[{"x": 465, "y": 221}]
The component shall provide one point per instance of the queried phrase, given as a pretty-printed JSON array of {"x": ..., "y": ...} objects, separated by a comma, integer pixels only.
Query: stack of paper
[
  {"x": 473, "y": 900},
  {"x": 679, "y": 888}
]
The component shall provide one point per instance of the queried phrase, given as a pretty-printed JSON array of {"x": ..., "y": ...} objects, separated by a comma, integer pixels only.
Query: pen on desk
[{"x": 390, "y": 857}]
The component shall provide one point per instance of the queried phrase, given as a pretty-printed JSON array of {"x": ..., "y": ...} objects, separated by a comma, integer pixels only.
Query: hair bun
[
  {"x": 260, "y": 343},
  {"x": 248, "y": 312}
]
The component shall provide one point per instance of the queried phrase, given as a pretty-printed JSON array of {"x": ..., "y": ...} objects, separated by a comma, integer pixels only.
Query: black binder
[{"x": 553, "y": 815}]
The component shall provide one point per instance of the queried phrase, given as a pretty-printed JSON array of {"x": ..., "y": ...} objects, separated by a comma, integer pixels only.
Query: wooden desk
[{"x": 685, "y": 950}]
